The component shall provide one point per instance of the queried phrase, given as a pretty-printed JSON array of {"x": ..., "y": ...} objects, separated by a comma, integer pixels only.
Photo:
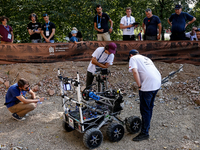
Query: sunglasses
[
  {"x": 27, "y": 87},
  {"x": 44, "y": 15}
]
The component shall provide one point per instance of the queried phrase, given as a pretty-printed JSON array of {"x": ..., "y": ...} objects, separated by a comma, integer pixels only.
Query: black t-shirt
[
  {"x": 48, "y": 27},
  {"x": 103, "y": 20},
  {"x": 34, "y": 26},
  {"x": 79, "y": 35}
]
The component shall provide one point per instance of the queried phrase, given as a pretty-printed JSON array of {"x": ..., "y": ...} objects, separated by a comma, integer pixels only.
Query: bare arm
[
  {"x": 32, "y": 94},
  {"x": 52, "y": 33},
  {"x": 169, "y": 22},
  {"x": 143, "y": 27},
  {"x": 111, "y": 25},
  {"x": 95, "y": 27},
  {"x": 124, "y": 27},
  {"x": 136, "y": 77},
  {"x": 26, "y": 101},
  {"x": 42, "y": 33},
  {"x": 160, "y": 29},
  {"x": 190, "y": 22},
  {"x": 95, "y": 62}
]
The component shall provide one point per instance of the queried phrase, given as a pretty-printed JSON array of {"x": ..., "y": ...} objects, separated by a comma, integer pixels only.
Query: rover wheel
[
  {"x": 92, "y": 138},
  {"x": 133, "y": 124},
  {"x": 115, "y": 132}
]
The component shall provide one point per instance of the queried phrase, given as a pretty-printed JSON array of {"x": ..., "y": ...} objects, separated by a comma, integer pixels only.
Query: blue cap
[
  {"x": 133, "y": 52},
  {"x": 178, "y": 6},
  {"x": 73, "y": 32}
]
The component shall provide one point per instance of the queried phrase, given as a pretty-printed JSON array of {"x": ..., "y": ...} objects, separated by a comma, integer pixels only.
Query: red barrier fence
[{"x": 165, "y": 51}]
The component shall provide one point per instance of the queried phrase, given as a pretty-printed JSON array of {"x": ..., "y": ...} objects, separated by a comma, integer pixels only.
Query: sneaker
[
  {"x": 26, "y": 115},
  {"x": 18, "y": 118},
  {"x": 141, "y": 137}
]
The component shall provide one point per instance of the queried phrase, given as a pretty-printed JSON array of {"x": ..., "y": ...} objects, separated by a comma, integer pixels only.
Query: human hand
[
  {"x": 110, "y": 30},
  {"x": 186, "y": 25},
  {"x": 41, "y": 99},
  {"x": 47, "y": 40},
  {"x": 158, "y": 37},
  {"x": 101, "y": 30},
  {"x": 1, "y": 36}
]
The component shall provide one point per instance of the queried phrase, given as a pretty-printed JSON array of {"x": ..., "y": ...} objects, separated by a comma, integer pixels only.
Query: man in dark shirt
[
  {"x": 6, "y": 32},
  {"x": 178, "y": 22},
  {"x": 101, "y": 25},
  {"x": 150, "y": 24},
  {"x": 48, "y": 30},
  {"x": 34, "y": 29},
  {"x": 78, "y": 35}
]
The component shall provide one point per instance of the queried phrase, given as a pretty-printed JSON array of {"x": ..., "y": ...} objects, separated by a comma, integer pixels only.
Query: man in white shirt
[
  {"x": 126, "y": 24},
  {"x": 148, "y": 79},
  {"x": 192, "y": 35},
  {"x": 102, "y": 57}
]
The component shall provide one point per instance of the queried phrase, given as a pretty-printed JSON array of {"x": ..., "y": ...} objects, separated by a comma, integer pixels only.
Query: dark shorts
[{"x": 128, "y": 37}]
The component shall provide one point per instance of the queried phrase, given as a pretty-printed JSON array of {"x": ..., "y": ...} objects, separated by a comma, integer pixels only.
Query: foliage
[{"x": 67, "y": 14}]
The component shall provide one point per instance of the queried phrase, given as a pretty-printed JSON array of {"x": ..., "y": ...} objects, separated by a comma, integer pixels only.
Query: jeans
[
  {"x": 36, "y": 41},
  {"x": 177, "y": 36},
  {"x": 146, "y": 108},
  {"x": 153, "y": 38},
  {"x": 51, "y": 41}
]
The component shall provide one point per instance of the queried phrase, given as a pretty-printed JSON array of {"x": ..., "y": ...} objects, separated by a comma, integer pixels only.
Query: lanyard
[
  {"x": 127, "y": 20},
  {"x": 7, "y": 28},
  {"x": 101, "y": 55},
  {"x": 47, "y": 29},
  {"x": 97, "y": 19}
]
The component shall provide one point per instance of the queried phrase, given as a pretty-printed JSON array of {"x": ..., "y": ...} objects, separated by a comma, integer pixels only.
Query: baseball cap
[
  {"x": 112, "y": 48},
  {"x": 133, "y": 52},
  {"x": 178, "y": 6},
  {"x": 73, "y": 32}
]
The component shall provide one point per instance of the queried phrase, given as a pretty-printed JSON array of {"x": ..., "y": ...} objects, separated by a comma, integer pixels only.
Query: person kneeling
[{"x": 16, "y": 102}]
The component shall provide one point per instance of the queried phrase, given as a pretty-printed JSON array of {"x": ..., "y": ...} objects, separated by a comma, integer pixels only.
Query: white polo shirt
[
  {"x": 102, "y": 57},
  {"x": 127, "y": 21},
  {"x": 150, "y": 77}
]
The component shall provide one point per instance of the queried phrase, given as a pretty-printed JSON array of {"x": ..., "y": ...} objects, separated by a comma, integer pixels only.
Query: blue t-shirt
[
  {"x": 73, "y": 39},
  {"x": 151, "y": 25},
  {"x": 11, "y": 95},
  {"x": 179, "y": 21}
]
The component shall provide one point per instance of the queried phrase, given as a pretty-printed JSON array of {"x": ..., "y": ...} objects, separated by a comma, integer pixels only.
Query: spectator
[
  {"x": 16, "y": 101},
  {"x": 101, "y": 25},
  {"x": 78, "y": 36},
  {"x": 126, "y": 24},
  {"x": 140, "y": 36},
  {"x": 178, "y": 22},
  {"x": 34, "y": 29},
  {"x": 192, "y": 35},
  {"x": 148, "y": 79},
  {"x": 48, "y": 30},
  {"x": 6, "y": 32},
  {"x": 73, "y": 38},
  {"x": 102, "y": 57},
  {"x": 150, "y": 24}
]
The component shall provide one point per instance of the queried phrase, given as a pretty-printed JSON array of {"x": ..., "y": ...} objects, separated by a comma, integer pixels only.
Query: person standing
[
  {"x": 16, "y": 102},
  {"x": 6, "y": 32},
  {"x": 150, "y": 24},
  {"x": 34, "y": 29},
  {"x": 102, "y": 57},
  {"x": 148, "y": 79},
  {"x": 126, "y": 24},
  {"x": 48, "y": 29},
  {"x": 178, "y": 23},
  {"x": 101, "y": 25}
]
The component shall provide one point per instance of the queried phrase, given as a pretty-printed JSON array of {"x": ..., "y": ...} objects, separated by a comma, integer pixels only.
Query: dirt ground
[{"x": 174, "y": 126}]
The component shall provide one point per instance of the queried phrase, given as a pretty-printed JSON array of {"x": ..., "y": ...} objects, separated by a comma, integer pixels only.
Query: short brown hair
[
  {"x": 128, "y": 8},
  {"x": 32, "y": 15},
  {"x": 4, "y": 17},
  {"x": 22, "y": 82}
]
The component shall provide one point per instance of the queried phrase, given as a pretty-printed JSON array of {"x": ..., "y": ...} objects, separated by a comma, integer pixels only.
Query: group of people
[
  {"x": 151, "y": 27},
  {"x": 145, "y": 73}
]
